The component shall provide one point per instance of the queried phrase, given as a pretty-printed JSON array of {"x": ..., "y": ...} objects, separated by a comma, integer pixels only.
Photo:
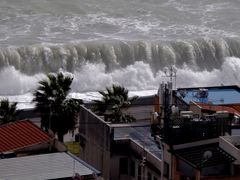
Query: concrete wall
[
  {"x": 196, "y": 143},
  {"x": 155, "y": 161},
  {"x": 145, "y": 170},
  {"x": 141, "y": 113},
  {"x": 115, "y": 171},
  {"x": 185, "y": 168},
  {"x": 227, "y": 143},
  {"x": 167, "y": 158},
  {"x": 96, "y": 134},
  {"x": 96, "y": 150},
  {"x": 195, "y": 109},
  {"x": 141, "y": 108}
]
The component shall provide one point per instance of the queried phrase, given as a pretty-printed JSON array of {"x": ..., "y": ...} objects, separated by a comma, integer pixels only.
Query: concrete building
[
  {"x": 192, "y": 143},
  {"x": 179, "y": 135},
  {"x": 119, "y": 151},
  {"x": 216, "y": 95}
]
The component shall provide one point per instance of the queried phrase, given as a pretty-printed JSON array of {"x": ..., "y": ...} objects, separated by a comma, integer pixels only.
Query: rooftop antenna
[{"x": 172, "y": 74}]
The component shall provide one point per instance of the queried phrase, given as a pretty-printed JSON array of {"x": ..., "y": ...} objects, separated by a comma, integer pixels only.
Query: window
[
  {"x": 139, "y": 172},
  {"x": 132, "y": 168},
  {"x": 149, "y": 176},
  {"x": 166, "y": 170},
  {"x": 123, "y": 165}
]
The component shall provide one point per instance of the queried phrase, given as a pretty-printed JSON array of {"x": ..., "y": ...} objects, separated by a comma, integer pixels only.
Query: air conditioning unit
[{"x": 186, "y": 114}]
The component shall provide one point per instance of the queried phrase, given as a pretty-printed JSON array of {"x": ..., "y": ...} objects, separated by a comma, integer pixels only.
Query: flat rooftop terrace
[
  {"x": 141, "y": 135},
  {"x": 216, "y": 95}
]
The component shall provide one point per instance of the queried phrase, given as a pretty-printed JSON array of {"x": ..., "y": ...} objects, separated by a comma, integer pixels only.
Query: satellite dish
[{"x": 207, "y": 155}]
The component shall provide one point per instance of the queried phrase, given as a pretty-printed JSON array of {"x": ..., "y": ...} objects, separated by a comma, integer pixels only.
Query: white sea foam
[
  {"x": 138, "y": 78},
  {"x": 15, "y": 83},
  {"x": 54, "y": 24}
]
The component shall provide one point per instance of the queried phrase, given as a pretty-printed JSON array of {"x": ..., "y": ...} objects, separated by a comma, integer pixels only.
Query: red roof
[
  {"x": 20, "y": 134},
  {"x": 218, "y": 108}
]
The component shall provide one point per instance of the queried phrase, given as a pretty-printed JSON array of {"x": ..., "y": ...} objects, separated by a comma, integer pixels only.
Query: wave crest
[{"x": 138, "y": 76}]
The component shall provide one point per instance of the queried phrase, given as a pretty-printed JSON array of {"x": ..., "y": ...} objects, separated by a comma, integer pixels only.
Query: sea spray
[
  {"x": 197, "y": 54},
  {"x": 138, "y": 76}
]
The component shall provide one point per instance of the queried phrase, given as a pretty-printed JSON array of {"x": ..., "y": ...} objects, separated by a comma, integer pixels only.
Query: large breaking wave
[
  {"x": 136, "y": 65},
  {"x": 199, "y": 54},
  {"x": 125, "y": 42}
]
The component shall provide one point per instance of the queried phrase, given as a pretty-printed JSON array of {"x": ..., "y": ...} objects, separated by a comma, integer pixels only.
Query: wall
[
  {"x": 167, "y": 158},
  {"x": 141, "y": 113},
  {"x": 195, "y": 109},
  {"x": 95, "y": 135},
  {"x": 222, "y": 178},
  {"x": 227, "y": 144},
  {"x": 145, "y": 170}
]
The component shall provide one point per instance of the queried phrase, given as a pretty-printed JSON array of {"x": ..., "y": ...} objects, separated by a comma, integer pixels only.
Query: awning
[{"x": 204, "y": 155}]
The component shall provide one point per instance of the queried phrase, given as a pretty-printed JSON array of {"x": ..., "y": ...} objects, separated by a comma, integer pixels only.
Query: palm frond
[
  {"x": 112, "y": 103},
  {"x": 51, "y": 100},
  {"x": 7, "y": 111}
]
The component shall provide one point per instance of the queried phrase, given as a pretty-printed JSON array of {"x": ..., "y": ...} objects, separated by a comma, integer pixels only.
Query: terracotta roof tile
[{"x": 20, "y": 134}]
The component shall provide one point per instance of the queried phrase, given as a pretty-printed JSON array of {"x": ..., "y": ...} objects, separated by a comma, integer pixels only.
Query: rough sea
[{"x": 101, "y": 42}]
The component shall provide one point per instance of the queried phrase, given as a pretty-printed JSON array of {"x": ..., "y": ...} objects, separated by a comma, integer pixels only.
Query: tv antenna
[{"x": 172, "y": 74}]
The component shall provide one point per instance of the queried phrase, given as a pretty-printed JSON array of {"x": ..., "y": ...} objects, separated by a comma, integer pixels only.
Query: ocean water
[{"x": 131, "y": 43}]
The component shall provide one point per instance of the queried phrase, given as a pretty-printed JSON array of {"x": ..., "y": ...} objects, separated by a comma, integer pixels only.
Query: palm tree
[
  {"x": 113, "y": 103},
  {"x": 7, "y": 111},
  {"x": 57, "y": 112}
]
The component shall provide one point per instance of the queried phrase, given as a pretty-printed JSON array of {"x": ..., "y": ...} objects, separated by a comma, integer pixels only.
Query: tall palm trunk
[{"x": 60, "y": 136}]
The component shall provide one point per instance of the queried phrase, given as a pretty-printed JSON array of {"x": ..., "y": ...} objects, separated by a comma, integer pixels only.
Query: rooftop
[
  {"x": 195, "y": 155},
  {"x": 216, "y": 94},
  {"x": 216, "y": 108},
  {"x": 141, "y": 135},
  {"x": 45, "y": 166},
  {"x": 21, "y": 134}
]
